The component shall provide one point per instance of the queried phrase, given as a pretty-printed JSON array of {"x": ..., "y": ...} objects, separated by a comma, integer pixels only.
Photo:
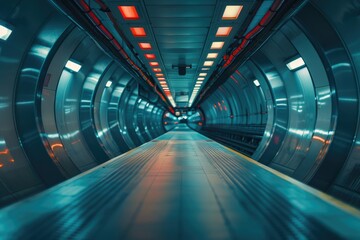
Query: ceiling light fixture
[
  {"x": 223, "y": 31},
  {"x": 108, "y": 84},
  {"x": 154, "y": 64},
  {"x": 212, "y": 55},
  {"x": 256, "y": 82},
  {"x": 145, "y": 46},
  {"x": 217, "y": 45},
  {"x": 129, "y": 12},
  {"x": 150, "y": 56},
  {"x": 5, "y": 32},
  {"x": 232, "y": 12},
  {"x": 295, "y": 64},
  {"x": 202, "y": 74},
  {"x": 73, "y": 66},
  {"x": 138, "y": 31},
  {"x": 208, "y": 63}
]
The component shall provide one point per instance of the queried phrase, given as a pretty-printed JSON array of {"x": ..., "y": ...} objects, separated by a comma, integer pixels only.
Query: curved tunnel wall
[
  {"x": 302, "y": 122},
  {"x": 57, "y": 122}
]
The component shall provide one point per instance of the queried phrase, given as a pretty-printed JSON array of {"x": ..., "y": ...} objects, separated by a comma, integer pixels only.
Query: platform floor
[{"x": 181, "y": 185}]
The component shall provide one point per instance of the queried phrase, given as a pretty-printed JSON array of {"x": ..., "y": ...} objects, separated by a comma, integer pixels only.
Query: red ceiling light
[
  {"x": 129, "y": 12},
  {"x": 157, "y": 69},
  {"x": 138, "y": 31},
  {"x": 150, "y": 56},
  {"x": 154, "y": 64},
  {"x": 223, "y": 31},
  {"x": 145, "y": 46},
  {"x": 159, "y": 74}
]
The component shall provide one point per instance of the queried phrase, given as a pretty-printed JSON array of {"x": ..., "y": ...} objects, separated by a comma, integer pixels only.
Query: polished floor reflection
[{"x": 181, "y": 185}]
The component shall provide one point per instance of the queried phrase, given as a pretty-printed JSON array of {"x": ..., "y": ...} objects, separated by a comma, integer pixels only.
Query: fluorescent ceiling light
[
  {"x": 145, "y": 46},
  {"x": 129, "y": 12},
  {"x": 197, "y": 82},
  {"x": 73, "y": 66},
  {"x": 208, "y": 63},
  {"x": 217, "y": 45},
  {"x": 295, "y": 64},
  {"x": 159, "y": 74},
  {"x": 205, "y": 69},
  {"x": 223, "y": 31},
  {"x": 138, "y": 31},
  {"x": 202, "y": 74},
  {"x": 212, "y": 55},
  {"x": 108, "y": 83},
  {"x": 157, "y": 69},
  {"x": 197, "y": 85},
  {"x": 232, "y": 12},
  {"x": 4, "y": 32},
  {"x": 154, "y": 63},
  {"x": 161, "y": 78},
  {"x": 150, "y": 56},
  {"x": 256, "y": 82},
  {"x": 200, "y": 78}
]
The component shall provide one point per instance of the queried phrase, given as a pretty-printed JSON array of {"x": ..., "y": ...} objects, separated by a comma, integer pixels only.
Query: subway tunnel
[{"x": 192, "y": 119}]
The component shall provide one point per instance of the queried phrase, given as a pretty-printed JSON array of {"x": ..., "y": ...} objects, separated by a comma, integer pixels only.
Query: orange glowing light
[
  {"x": 138, "y": 31},
  {"x": 157, "y": 69},
  {"x": 145, "y": 46},
  {"x": 223, "y": 31},
  {"x": 159, "y": 74},
  {"x": 150, "y": 56},
  {"x": 232, "y": 12},
  {"x": 6, "y": 151},
  {"x": 56, "y": 145},
  {"x": 319, "y": 139},
  {"x": 154, "y": 64},
  {"x": 129, "y": 12}
]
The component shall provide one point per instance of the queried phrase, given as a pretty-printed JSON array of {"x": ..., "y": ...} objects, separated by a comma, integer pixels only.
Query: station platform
[{"x": 181, "y": 185}]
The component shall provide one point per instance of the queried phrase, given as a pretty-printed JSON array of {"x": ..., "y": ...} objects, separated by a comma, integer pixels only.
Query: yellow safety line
[{"x": 327, "y": 198}]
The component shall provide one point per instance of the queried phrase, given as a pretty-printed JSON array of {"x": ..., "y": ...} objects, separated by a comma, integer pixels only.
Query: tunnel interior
[{"x": 85, "y": 81}]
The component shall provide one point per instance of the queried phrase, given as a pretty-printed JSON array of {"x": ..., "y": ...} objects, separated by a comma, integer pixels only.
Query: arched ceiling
[{"x": 181, "y": 34}]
